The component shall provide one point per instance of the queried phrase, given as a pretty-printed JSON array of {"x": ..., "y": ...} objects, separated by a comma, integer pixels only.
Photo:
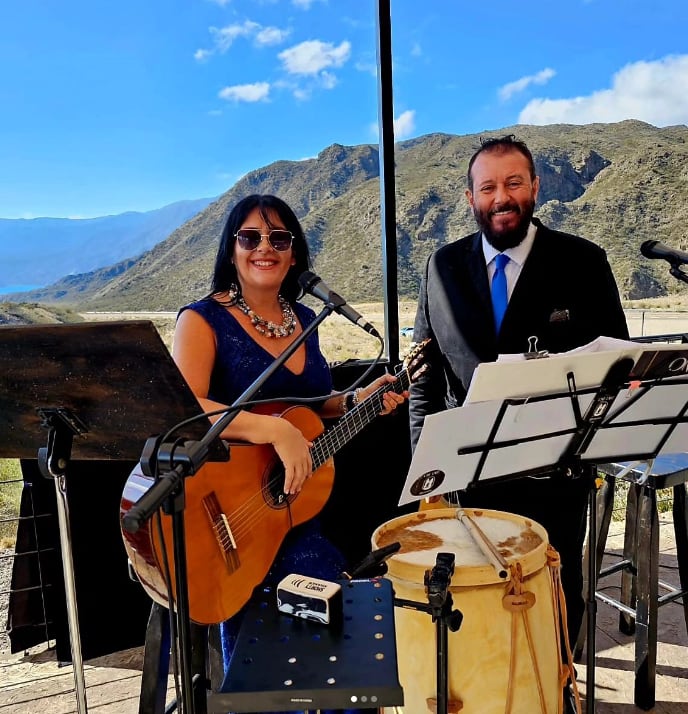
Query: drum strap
[
  {"x": 559, "y": 606},
  {"x": 519, "y": 601}
]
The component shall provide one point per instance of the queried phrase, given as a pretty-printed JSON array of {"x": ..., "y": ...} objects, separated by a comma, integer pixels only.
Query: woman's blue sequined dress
[{"x": 240, "y": 361}]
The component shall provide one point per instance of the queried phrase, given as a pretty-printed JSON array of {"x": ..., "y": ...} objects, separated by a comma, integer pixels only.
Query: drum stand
[{"x": 439, "y": 605}]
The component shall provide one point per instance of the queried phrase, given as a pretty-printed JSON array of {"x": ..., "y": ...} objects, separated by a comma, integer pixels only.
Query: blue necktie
[{"x": 500, "y": 297}]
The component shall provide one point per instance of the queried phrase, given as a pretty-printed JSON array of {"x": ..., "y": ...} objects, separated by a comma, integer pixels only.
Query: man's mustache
[{"x": 508, "y": 207}]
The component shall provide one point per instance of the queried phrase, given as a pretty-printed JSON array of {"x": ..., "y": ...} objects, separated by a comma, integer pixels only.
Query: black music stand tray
[
  {"x": 283, "y": 663},
  {"x": 99, "y": 389}
]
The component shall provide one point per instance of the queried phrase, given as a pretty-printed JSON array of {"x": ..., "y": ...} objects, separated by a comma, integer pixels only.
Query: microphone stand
[
  {"x": 441, "y": 606},
  {"x": 678, "y": 273},
  {"x": 182, "y": 459}
]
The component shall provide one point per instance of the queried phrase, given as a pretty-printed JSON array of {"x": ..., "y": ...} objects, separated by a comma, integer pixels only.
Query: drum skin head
[{"x": 425, "y": 533}]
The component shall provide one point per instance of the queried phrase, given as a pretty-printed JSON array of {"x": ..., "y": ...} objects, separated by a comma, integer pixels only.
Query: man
[{"x": 559, "y": 288}]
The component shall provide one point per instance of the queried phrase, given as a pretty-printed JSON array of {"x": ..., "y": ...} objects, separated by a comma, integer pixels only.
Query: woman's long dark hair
[{"x": 225, "y": 274}]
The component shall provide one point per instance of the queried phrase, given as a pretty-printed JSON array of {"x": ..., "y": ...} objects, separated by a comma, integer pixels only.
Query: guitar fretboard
[{"x": 356, "y": 419}]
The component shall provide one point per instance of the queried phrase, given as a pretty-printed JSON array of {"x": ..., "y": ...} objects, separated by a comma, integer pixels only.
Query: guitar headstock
[{"x": 414, "y": 359}]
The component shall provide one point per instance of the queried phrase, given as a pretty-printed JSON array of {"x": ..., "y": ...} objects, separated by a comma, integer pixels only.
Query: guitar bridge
[{"x": 222, "y": 531}]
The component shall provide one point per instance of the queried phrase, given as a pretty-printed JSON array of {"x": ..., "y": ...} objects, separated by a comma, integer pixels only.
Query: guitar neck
[{"x": 356, "y": 419}]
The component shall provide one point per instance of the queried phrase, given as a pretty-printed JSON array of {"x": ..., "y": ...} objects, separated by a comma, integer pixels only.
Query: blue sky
[{"x": 134, "y": 104}]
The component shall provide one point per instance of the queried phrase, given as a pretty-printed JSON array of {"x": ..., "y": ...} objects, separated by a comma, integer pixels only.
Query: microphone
[
  {"x": 655, "y": 249},
  {"x": 313, "y": 285},
  {"x": 373, "y": 562}
]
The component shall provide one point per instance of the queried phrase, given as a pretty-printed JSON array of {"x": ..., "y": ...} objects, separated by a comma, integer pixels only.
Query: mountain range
[
  {"x": 616, "y": 184},
  {"x": 38, "y": 251}
]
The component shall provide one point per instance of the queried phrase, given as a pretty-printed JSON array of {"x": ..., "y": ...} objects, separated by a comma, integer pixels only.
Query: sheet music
[
  {"x": 517, "y": 376},
  {"x": 546, "y": 375},
  {"x": 519, "y": 416},
  {"x": 440, "y": 464}
]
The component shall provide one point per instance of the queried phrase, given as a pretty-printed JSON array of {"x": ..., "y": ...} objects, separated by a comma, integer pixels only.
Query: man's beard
[{"x": 505, "y": 239}]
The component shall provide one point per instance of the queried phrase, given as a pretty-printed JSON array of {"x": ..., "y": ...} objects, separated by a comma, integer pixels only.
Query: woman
[{"x": 223, "y": 342}]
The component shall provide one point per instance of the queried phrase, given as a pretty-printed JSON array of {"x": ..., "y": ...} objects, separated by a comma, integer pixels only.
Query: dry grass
[
  {"x": 339, "y": 339},
  {"x": 675, "y": 303},
  {"x": 10, "y": 494}
]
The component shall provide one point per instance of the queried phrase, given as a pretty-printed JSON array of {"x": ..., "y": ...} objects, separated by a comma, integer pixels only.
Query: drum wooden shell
[{"x": 479, "y": 652}]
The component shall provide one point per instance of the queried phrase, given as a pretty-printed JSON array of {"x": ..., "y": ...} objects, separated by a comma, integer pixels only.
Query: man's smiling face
[{"x": 503, "y": 196}]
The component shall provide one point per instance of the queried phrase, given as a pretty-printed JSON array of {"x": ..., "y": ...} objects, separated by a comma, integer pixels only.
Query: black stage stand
[
  {"x": 98, "y": 389},
  {"x": 440, "y": 606},
  {"x": 283, "y": 663}
]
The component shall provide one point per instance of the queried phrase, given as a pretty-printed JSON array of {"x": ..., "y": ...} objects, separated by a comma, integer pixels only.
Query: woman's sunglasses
[{"x": 250, "y": 238}]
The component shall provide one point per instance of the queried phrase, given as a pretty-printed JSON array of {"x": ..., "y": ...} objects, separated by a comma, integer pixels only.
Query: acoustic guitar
[{"x": 236, "y": 514}]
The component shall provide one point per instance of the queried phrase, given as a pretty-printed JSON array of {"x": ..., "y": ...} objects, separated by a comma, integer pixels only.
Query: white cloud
[
  {"x": 224, "y": 37},
  {"x": 654, "y": 92},
  {"x": 271, "y": 36},
  {"x": 303, "y": 4},
  {"x": 416, "y": 50},
  {"x": 256, "y": 92},
  {"x": 221, "y": 3},
  {"x": 367, "y": 67},
  {"x": 312, "y": 56},
  {"x": 404, "y": 124},
  {"x": 508, "y": 90},
  {"x": 328, "y": 80}
]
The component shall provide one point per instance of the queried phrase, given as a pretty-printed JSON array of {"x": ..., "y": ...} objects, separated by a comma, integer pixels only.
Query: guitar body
[
  {"x": 236, "y": 514},
  {"x": 235, "y": 517}
]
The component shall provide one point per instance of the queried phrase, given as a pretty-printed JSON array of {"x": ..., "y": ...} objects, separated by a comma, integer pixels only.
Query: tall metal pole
[{"x": 387, "y": 183}]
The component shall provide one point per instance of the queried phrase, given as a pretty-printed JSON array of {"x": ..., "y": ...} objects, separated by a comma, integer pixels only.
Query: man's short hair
[{"x": 501, "y": 144}]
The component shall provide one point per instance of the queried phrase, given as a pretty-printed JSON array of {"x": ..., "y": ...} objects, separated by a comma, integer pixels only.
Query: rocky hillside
[{"x": 617, "y": 184}]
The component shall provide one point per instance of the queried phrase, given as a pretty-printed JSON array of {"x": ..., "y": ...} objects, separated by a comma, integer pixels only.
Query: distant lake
[{"x": 4, "y": 289}]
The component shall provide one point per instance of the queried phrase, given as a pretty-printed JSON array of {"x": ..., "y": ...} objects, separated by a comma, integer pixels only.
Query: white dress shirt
[{"x": 517, "y": 257}]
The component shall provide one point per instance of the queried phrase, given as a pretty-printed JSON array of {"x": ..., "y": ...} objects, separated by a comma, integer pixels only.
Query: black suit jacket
[{"x": 565, "y": 296}]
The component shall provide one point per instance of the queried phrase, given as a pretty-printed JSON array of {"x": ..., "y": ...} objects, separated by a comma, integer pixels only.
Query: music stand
[
  {"x": 283, "y": 663},
  {"x": 100, "y": 389},
  {"x": 633, "y": 414}
]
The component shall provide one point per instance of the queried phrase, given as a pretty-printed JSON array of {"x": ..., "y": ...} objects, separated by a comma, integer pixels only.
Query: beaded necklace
[{"x": 267, "y": 327}]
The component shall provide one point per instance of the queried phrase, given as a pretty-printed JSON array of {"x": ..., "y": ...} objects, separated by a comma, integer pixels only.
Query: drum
[{"x": 505, "y": 657}]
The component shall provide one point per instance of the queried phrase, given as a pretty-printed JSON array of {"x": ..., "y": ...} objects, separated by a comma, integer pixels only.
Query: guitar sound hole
[{"x": 273, "y": 487}]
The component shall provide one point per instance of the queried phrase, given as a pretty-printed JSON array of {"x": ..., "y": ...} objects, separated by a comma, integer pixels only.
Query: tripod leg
[
  {"x": 628, "y": 574},
  {"x": 604, "y": 504},
  {"x": 156, "y": 662},
  {"x": 70, "y": 591},
  {"x": 681, "y": 532},
  {"x": 199, "y": 665}
]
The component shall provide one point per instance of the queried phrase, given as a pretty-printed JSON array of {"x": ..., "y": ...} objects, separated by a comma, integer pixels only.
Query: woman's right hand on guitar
[{"x": 294, "y": 452}]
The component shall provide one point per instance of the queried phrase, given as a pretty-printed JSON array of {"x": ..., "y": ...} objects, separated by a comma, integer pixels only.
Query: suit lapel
[
  {"x": 478, "y": 273},
  {"x": 472, "y": 303}
]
